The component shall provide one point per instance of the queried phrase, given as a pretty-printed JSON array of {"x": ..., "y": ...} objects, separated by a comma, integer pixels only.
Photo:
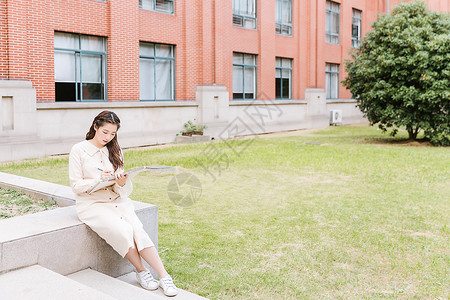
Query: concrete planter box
[{"x": 192, "y": 139}]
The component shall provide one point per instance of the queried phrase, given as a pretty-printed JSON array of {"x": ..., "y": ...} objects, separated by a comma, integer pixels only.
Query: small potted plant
[{"x": 191, "y": 129}]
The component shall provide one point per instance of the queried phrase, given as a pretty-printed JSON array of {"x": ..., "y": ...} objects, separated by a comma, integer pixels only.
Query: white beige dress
[{"x": 108, "y": 211}]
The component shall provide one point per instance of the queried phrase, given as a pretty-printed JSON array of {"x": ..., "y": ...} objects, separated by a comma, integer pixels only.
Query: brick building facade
[{"x": 108, "y": 51}]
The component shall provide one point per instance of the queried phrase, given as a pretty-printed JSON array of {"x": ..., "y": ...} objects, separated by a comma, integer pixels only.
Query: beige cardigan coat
[{"x": 108, "y": 211}]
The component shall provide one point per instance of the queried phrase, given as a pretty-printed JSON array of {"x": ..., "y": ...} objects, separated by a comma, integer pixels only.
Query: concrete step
[
  {"x": 38, "y": 283},
  {"x": 119, "y": 289},
  {"x": 130, "y": 278}
]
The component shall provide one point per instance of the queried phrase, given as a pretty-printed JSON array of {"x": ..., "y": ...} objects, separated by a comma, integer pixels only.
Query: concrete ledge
[
  {"x": 38, "y": 189},
  {"x": 58, "y": 240}
]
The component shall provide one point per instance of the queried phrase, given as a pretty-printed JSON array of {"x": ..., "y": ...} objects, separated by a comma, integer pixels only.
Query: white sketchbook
[{"x": 131, "y": 173}]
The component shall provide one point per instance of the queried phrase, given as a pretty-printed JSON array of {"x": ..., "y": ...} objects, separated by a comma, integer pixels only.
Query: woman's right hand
[{"x": 106, "y": 174}]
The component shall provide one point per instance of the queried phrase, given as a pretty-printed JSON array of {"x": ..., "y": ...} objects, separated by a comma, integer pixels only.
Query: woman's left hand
[{"x": 121, "y": 179}]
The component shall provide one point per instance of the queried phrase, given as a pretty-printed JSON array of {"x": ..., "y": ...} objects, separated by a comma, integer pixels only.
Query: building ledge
[
  {"x": 266, "y": 102},
  {"x": 332, "y": 101},
  {"x": 118, "y": 104}
]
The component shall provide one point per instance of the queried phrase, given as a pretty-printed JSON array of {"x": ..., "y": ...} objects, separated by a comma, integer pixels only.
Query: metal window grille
[{"x": 332, "y": 22}]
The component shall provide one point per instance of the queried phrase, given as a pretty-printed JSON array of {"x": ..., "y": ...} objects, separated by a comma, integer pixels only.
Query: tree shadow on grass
[{"x": 397, "y": 142}]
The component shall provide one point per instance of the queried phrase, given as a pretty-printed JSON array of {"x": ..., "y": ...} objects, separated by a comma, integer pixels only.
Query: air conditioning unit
[{"x": 335, "y": 117}]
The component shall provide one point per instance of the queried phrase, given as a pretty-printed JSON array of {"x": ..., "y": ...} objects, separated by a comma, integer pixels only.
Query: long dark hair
[{"x": 105, "y": 116}]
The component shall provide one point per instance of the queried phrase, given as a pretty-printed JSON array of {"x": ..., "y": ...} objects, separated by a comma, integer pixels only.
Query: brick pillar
[
  {"x": 123, "y": 51},
  {"x": 311, "y": 41},
  {"x": 266, "y": 70},
  {"x": 3, "y": 40},
  {"x": 223, "y": 53},
  {"x": 208, "y": 40},
  {"x": 17, "y": 39},
  {"x": 194, "y": 50},
  {"x": 40, "y": 51}
]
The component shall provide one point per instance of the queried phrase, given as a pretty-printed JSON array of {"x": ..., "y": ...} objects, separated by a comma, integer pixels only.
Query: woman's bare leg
[
  {"x": 135, "y": 259},
  {"x": 151, "y": 256}
]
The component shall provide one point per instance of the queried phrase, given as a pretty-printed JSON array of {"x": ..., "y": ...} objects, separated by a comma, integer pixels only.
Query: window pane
[
  {"x": 163, "y": 79},
  {"x": 92, "y": 83},
  {"x": 146, "y": 79},
  {"x": 164, "y": 5},
  {"x": 66, "y": 40},
  {"x": 249, "y": 59},
  {"x": 249, "y": 81},
  {"x": 278, "y": 63},
  {"x": 286, "y": 12},
  {"x": 92, "y": 91},
  {"x": 286, "y": 88},
  {"x": 147, "y": 4},
  {"x": 335, "y": 23},
  {"x": 277, "y": 73},
  {"x": 287, "y": 63},
  {"x": 92, "y": 43},
  {"x": 327, "y": 22},
  {"x": 278, "y": 87},
  {"x": 335, "y": 6},
  {"x": 163, "y": 50},
  {"x": 146, "y": 49},
  {"x": 334, "y": 85},
  {"x": 278, "y": 11},
  {"x": 327, "y": 85},
  {"x": 249, "y": 23},
  {"x": 91, "y": 68},
  {"x": 238, "y": 79},
  {"x": 238, "y": 58},
  {"x": 64, "y": 91},
  {"x": 354, "y": 30},
  {"x": 64, "y": 66}
]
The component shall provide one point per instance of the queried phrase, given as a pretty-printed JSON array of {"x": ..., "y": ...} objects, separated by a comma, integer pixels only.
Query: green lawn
[{"x": 344, "y": 213}]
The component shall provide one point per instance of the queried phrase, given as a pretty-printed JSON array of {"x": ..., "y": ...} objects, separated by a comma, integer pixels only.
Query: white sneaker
[
  {"x": 147, "y": 281},
  {"x": 168, "y": 287}
]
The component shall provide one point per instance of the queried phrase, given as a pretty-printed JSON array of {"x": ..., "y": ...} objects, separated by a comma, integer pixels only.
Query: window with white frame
[
  {"x": 156, "y": 71},
  {"x": 165, "y": 6},
  {"x": 244, "y": 13},
  {"x": 80, "y": 67},
  {"x": 332, "y": 81},
  {"x": 356, "y": 28},
  {"x": 244, "y": 76},
  {"x": 283, "y": 78},
  {"x": 283, "y": 17},
  {"x": 332, "y": 22}
]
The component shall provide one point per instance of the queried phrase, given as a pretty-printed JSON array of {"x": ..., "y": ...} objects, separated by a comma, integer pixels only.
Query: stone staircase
[
  {"x": 37, "y": 282},
  {"x": 53, "y": 255}
]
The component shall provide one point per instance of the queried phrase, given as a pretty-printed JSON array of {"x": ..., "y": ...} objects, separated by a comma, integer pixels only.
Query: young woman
[{"x": 108, "y": 211}]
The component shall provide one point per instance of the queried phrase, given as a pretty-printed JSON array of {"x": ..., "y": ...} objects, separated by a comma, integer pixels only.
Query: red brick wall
[
  {"x": 3, "y": 40},
  {"x": 202, "y": 32}
]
